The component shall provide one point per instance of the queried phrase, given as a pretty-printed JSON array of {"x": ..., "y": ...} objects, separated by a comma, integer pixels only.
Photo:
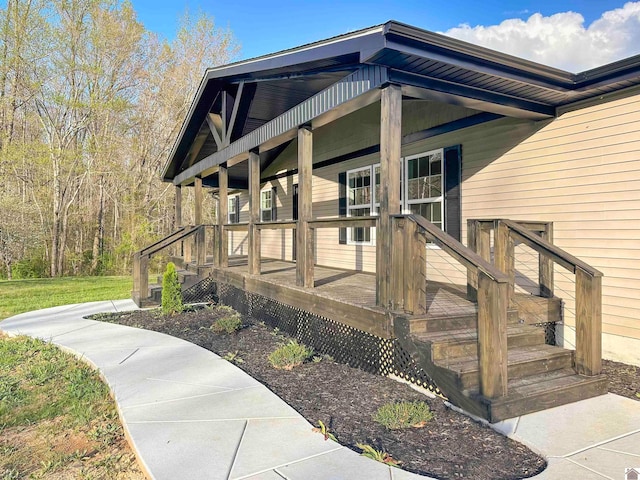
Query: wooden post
[
  {"x": 197, "y": 184},
  {"x": 178, "y": 206},
  {"x": 492, "y": 336},
  {"x": 478, "y": 240},
  {"x": 390, "y": 163},
  {"x": 187, "y": 253},
  {"x": 588, "y": 323},
  {"x": 504, "y": 255},
  {"x": 545, "y": 265},
  {"x": 304, "y": 238},
  {"x": 254, "y": 213},
  {"x": 140, "y": 278},
  {"x": 223, "y": 211},
  {"x": 201, "y": 245},
  {"x": 415, "y": 270},
  {"x": 398, "y": 277},
  {"x": 177, "y": 250}
]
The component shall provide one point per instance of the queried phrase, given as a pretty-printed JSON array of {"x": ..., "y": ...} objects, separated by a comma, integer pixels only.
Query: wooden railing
[
  {"x": 142, "y": 257},
  {"x": 410, "y": 234},
  {"x": 588, "y": 280}
]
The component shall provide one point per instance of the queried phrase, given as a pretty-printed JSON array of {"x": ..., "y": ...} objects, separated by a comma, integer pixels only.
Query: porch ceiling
[{"x": 427, "y": 65}]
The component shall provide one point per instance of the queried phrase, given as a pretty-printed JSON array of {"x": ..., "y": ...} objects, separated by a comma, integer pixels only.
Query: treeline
[{"x": 90, "y": 104}]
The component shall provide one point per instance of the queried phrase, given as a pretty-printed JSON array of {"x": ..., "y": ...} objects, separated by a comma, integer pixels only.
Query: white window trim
[
  {"x": 370, "y": 205},
  {"x": 231, "y": 200},
  {"x": 270, "y": 209},
  {"x": 405, "y": 180}
]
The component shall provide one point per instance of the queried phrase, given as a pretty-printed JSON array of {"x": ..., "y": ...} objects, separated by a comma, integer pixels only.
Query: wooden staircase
[
  {"x": 188, "y": 275},
  {"x": 508, "y": 370},
  {"x": 540, "y": 376}
]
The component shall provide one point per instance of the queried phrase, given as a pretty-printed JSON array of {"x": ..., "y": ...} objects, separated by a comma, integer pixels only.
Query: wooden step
[
  {"x": 522, "y": 362},
  {"x": 453, "y": 344},
  {"x": 422, "y": 324},
  {"x": 542, "y": 391}
]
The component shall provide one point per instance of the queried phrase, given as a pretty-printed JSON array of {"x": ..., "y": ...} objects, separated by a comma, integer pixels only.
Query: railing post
[
  {"x": 545, "y": 265},
  {"x": 504, "y": 255},
  {"x": 187, "y": 243},
  {"x": 254, "y": 213},
  {"x": 304, "y": 234},
  {"x": 223, "y": 210},
  {"x": 140, "y": 278},
  {"x": 492, "y": 336},
  {"x": 478, "y": 240},
  {"x": 588, "y": 323},
  {"x": 415, "y": 270},
  {"x": 201, "y": 246},
  {"x": 177, "y": 250},
  {"x": 399, "y": 255}
]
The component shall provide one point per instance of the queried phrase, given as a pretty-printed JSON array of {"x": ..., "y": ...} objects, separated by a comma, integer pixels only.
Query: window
[
  {"x": 265, "y": 205},
  {"x": 233, "y": 212},
  {"x": 361, "y": 201},
  {"x": 423, "y": 181},
  {"x": 430, "y": 187}
]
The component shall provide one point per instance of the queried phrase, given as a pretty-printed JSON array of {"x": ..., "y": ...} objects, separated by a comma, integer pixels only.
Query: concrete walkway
[{"x": 190, "y": 414}]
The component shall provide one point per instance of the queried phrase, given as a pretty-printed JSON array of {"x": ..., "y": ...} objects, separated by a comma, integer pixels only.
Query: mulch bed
[{"x": 450, "y": 446}]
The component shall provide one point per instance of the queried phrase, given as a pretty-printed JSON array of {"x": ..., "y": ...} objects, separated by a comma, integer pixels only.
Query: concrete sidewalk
[{"x": 190, "y": 414}]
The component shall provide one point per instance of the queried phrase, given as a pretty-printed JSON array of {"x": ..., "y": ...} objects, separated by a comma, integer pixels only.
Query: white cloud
[{"x": 562, "y": 40}]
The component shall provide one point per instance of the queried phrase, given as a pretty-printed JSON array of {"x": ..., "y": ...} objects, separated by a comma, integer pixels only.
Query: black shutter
[
  {"x": 452, "y": 181},
  {"x": 274, "y": 207},
  {"x": 342, "y": 205}
]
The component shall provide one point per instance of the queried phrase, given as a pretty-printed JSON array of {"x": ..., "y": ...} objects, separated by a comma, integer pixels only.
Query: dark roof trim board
[
  {"x": 282, "y": 128},
  {"x": 428, "y": 65}
]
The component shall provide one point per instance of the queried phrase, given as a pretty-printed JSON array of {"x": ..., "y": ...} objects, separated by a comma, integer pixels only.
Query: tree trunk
[{"x": 98, "y": 239}]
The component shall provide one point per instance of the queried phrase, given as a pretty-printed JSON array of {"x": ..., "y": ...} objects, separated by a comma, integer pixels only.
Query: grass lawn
[
  {"x": 18, "y": 296},
  {"x": 57, "y": 419}
]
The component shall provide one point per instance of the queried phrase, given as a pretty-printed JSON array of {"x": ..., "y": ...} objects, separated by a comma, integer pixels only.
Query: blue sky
[{"x": 539, "y": 30}]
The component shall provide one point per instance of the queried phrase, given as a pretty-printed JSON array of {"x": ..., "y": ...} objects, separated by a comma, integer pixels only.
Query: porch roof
[{"x": 427, "y": 65}]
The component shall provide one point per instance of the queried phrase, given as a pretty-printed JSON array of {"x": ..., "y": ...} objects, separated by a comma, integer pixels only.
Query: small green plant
[
  {"x": 378, "y": 455},
  {"x": 638, "y": 394},
  {"x": 395, "y": 416},
  {"x": 324, "y": 430},
  {"x": 233, "y": 357},
  {"x": 231, "y": 322},
  {"x": 171, "y": 291},
  {"x": 290, "y": 355}
]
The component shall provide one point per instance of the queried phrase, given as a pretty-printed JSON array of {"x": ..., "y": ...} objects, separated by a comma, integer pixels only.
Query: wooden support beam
[
  {"x": 504, "y": 252},
  {"x": 234, "y": 114},
  {"x": 415, "y": 270},
  {"x": 254, "y": 213},
  {"x": 197, "y": 185},
  {"x": 492, "y": 336},
  {"x": 588, "y": 323},
  {"x": 545, "y": 265},
  {"x": 304, "y": 237},
  {"x": 177, "y": 249},
  {"x": 215, "y": 125},
  {"x": 223, "y": 212},
  {"x": 390, "y": 163},
  {"x": 178, "y": 211},
  {"x": 140, "y": 278}
]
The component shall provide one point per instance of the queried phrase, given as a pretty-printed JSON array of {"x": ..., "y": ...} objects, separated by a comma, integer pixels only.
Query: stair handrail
[
  {"x": 588, "y": 289},
  {"x": 409, "y": 233},
  {"x": 180, "y": 234},
  {"x": 539, "y": 244},
  {"x": 141, "y": 257}
]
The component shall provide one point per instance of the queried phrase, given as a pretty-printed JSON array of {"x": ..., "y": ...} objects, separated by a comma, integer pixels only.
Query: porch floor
[{"x": 356, "y": 288}]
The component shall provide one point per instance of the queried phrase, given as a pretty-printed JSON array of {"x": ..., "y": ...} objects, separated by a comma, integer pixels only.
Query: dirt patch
[
  {"x": 451, "y": 446},
  {"x": 623, "y": 379}
]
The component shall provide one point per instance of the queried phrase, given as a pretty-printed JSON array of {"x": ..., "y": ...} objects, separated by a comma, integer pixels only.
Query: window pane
[
  {"x": 265, "y": 215},
  {"x": 435, "y": 189},
  {"x": 436, "y": 165},
  {"x": 360, "y": 234},
  {"x": 423, "y": 170}
]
